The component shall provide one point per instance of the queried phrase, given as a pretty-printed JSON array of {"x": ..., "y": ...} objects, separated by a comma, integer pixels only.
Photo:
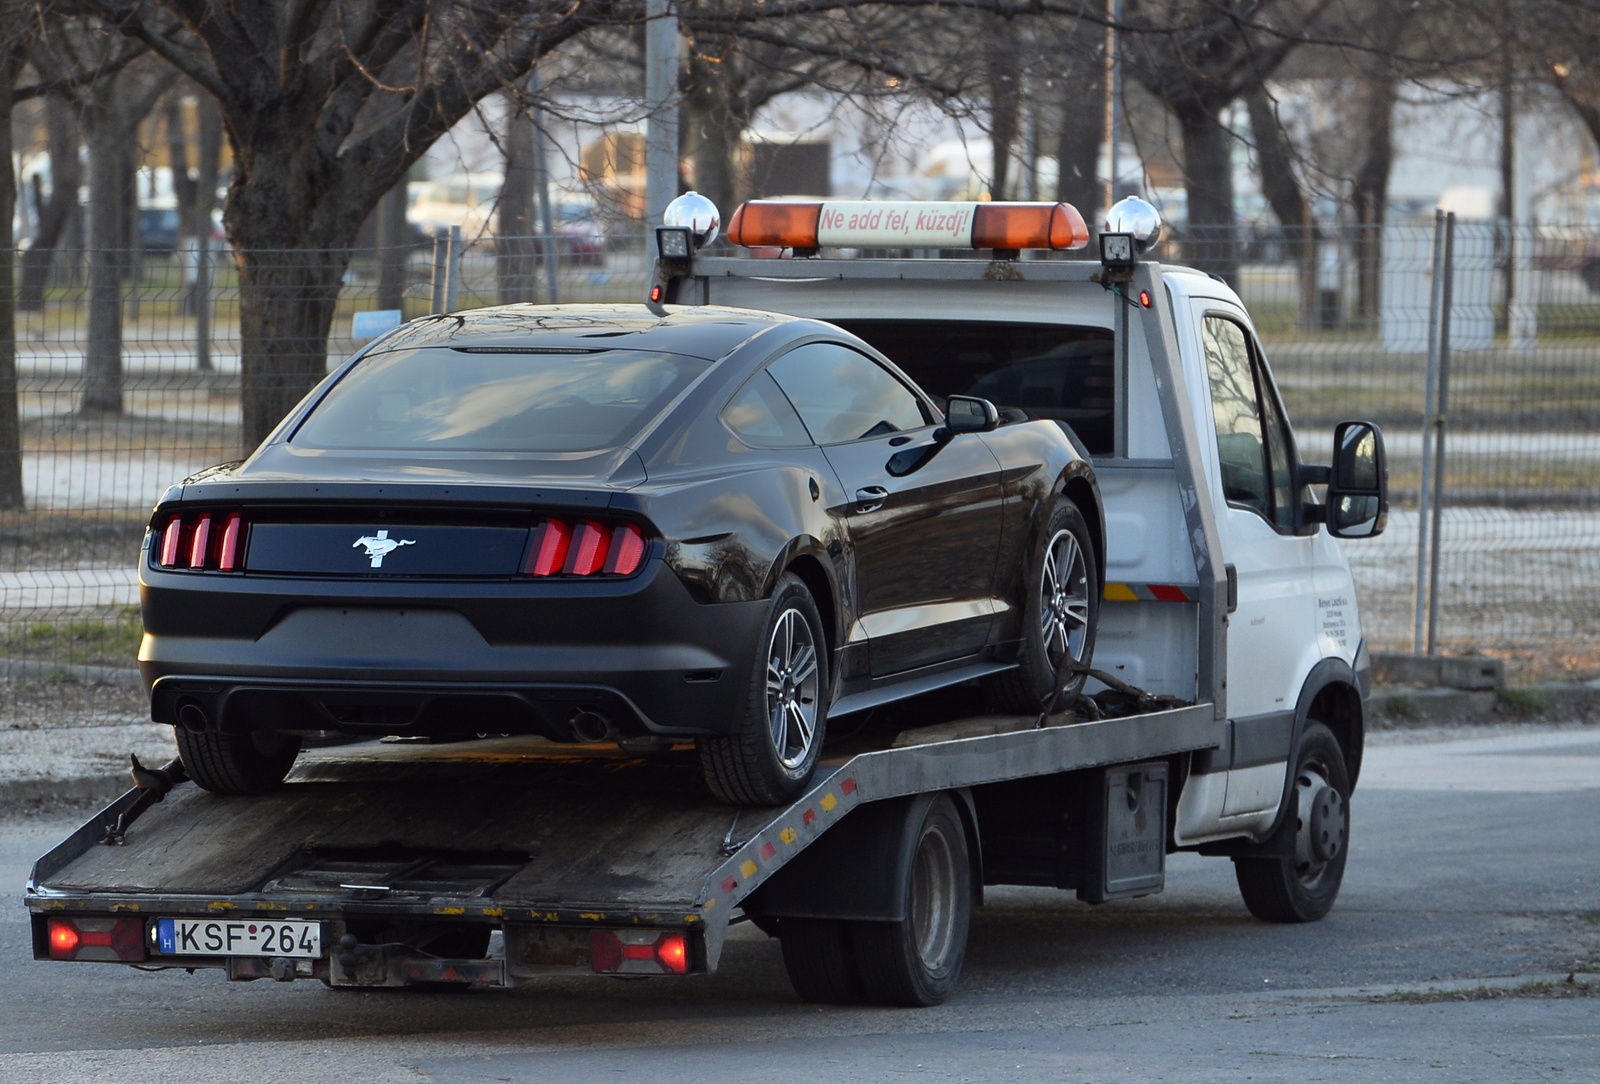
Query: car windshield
[{"x": 496, "y": 399}]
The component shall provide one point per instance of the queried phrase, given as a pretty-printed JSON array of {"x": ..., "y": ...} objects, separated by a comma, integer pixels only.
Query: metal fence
[{"x": 1349, "y": 319}]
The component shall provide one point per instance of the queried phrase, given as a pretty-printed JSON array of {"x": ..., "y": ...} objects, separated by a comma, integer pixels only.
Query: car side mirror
[
  {"x": 1358, "y": 482},
  {"x": 969, "y": 414}
]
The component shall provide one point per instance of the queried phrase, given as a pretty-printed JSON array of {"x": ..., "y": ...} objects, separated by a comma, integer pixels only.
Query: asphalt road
[{"x": 1471, "y": 860}]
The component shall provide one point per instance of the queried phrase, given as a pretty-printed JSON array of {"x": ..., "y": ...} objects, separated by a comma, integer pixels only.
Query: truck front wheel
[{"x": 1302, "y": 888}]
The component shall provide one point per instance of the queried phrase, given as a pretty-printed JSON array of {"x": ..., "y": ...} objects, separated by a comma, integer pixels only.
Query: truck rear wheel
[
  {"x": 1063, "y": 609},
  {"x": 1303, "y": 888},
  {"x": 820, "y": 961},
  {"x": 237, "y": 764},
  {"x": 769, "y": 760},
  {"x": 915, "y": 961}
]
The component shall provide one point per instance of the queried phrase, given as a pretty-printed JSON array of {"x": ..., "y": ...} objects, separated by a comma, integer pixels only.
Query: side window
[
  {"x": 762, "y": 417},
  {"x": 1241, "y": 448},
  {"x": 843, "y": 395},
  {"x": 1278, "y": 458}
]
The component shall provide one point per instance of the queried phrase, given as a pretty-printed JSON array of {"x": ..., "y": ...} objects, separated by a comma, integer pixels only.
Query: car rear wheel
[
  {"x": 237, "y": 763},
  {"x": 1063, "y": 609},
  {"x": 770, "y": 758}
]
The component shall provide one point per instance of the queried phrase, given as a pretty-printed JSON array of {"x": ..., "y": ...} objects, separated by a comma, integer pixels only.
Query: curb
[
  {"x": 1396, "y": 708},
  {"x": 82, "y": 788}
]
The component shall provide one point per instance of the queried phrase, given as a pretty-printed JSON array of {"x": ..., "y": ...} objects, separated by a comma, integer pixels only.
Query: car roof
[{"x": 709, "y": 331}]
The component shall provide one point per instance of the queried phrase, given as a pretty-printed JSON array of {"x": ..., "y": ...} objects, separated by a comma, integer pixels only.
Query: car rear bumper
[{"x": 566, "y": 660}]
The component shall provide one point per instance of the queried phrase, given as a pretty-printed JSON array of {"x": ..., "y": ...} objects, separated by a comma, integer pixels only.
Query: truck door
[
  {"x": 1271, "y": 638},
  {"x": 924, "y": 519}
]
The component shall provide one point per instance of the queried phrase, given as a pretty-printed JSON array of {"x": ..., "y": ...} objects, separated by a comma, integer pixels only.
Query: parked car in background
[{"x": 471, "y": 202}]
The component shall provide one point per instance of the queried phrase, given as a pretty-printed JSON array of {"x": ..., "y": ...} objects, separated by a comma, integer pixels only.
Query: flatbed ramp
[{"x": 541, "y": 840}]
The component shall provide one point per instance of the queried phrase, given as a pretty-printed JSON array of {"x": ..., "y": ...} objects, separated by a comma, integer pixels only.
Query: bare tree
[
  {"x": 17, "y": 28},
  {"x": 60, "y": 211}
]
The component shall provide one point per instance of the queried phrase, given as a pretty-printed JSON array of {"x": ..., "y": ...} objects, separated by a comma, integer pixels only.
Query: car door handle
[{"x": 870, "y": 498}]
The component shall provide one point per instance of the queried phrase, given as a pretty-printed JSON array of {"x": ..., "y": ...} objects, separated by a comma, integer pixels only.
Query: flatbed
[{"x": 544, "y": 842}]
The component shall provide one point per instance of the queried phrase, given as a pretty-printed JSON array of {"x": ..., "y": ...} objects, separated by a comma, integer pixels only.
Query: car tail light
[
  {"x": 101, "y": 939},
  {"x": 204, "y": 541},
  {"x": 638, "y": 952},
  {"x": 586, "y": 547}
]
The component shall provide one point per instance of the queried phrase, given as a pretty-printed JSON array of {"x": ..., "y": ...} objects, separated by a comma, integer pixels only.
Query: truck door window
[
  {"x": 1241, "y": 449},
  {"x": 843, "y": 395},
  {"x": 1278, "y": 451}
]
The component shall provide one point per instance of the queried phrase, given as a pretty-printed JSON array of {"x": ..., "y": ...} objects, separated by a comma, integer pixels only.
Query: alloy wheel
[
  {"x": 1064, "y": 599},
  {"x": 792, "y": 688}
]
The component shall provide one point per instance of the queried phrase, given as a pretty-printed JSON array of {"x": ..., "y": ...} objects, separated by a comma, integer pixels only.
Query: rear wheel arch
[
  {"x": 1081, "y": 491},
  {"x": 814, "y": 574}
]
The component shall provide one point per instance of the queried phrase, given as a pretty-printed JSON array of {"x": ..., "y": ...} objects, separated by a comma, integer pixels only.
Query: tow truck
[{"x": 1226, "y": 715}]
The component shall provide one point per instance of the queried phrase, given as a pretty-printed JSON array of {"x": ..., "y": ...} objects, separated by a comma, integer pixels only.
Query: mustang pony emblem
[{"x": 381, "y": 545}]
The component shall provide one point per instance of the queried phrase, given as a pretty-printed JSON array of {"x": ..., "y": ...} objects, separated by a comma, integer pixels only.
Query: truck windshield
[
  {"x": 1055, "y": 371},
  {"x": 497, "y": 400}
]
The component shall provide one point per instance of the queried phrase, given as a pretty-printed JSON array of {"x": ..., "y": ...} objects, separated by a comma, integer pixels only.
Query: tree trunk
[
  {"x": 66, "y": 177},
  {"x": 715, "y": 121},
  {"x": 394, "y": 245},
  {"x": 1288, "y": 202},
  {"x": 286, "y": 304},
  {"x": 185, "y": 189},
  {"x": 1208, "y": 179},
  {"x": 1370, "y": 193},
  {"x": 1078, "y": 151},
  {"x": 1005, "y": 100},
  {"x": 14, "y": 51},
  {"x": 108, "y": 236},
  {"x": 516, "y": 251}
]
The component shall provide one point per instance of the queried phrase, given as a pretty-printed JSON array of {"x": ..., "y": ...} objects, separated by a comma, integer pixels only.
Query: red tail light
[
  {"x": 638, "y": 952},
  {"x": 103, "y": 939},
  {"x": 204, "y": 541},
  {"x": 587, "y": 548}
]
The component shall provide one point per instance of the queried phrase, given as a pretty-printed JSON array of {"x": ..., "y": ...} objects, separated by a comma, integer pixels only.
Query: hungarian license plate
[{"x": 238, "y": 937}]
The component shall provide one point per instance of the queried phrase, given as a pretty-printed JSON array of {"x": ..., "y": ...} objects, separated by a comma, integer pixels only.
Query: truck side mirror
[
  {"x": 969, "y": 414},
  {"x": 1358, "y": 482}
]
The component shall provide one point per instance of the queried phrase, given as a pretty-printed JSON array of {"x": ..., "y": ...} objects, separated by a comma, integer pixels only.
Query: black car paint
[{"x": 724, "y": 521}]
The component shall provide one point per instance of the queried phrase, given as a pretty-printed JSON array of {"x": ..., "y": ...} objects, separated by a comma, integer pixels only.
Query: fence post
[
  {"x": 441, "y": 263},
  {"x": 1430, "y": 389},
  {"x": 452, "y": 275},
  {"x": 1439, "y": 426},
  {"x": 202, "y": 301},
  {"x": 541, "y": 180}
]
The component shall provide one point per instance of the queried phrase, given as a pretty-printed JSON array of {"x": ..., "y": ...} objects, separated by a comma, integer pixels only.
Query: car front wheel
[{"x": 769, "y": 760}]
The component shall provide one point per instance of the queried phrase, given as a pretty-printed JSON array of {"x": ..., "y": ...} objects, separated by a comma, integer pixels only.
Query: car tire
[
  {"x": 237, "y": 764},
  {"x": 819, "y": 959},
  {"x": 1060, "y": 608},
  {"x": 1317, "y": 826},
  {"x": 769, "y": 760},
  {"x": 915, "y": 961}
]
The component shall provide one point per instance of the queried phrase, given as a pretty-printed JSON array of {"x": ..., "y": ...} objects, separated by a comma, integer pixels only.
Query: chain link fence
[{"x": 1346, "y": 316}]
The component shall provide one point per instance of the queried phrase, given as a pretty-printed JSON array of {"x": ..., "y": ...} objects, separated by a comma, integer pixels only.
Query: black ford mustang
[{"x": 595, "y": 524}]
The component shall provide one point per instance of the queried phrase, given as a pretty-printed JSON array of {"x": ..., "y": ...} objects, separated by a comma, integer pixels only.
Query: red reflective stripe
[
  {"x": 1166, "y": 592},
  {"x": 170, "y": 539},
  {"x": 197, "y": 546},
  {"x": 848, "y": 786},
  {"x": 729, "y": 885},
  {"x": 768, "y": 850},
  {"x": 807, "y": 817},
  {"x": 229, "y": 557},
  {"x": 96, "y": 938},
  {"x": 638, "y": 952},
  {"x": 627, "y": 548}
]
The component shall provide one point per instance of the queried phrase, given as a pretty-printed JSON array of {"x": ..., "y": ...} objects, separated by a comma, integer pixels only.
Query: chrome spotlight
[
  {"x": 1136, "y": 218},
  {"x": 697, "y": 214}
]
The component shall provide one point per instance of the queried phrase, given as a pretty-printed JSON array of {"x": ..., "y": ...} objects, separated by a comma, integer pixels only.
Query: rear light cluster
[
  {"x": 584, "y": 547},
  {"x": 103, "y": 939},
  {"x": 638, "y": 952},
  {"x": 207, "y": 540}
]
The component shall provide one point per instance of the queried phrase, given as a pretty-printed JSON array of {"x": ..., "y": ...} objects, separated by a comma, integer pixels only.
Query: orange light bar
[{"x": 808, "y": 224}]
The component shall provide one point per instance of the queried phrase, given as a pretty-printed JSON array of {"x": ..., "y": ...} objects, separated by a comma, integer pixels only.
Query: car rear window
[
  {"x": 1055, "y": 371},
  {"x": 497, "y": 400}
]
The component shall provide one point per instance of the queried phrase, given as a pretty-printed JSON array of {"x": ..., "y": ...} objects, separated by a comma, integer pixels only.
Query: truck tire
[
  {"x": 1303, "y": 888},
  {"x": 769, "y": 760},
  {"x": 915, "y": 961},
  {"x": 821, "y": 964},
  {"x": 237, "y": 764},
  {"x": 1062, "y": 613}
]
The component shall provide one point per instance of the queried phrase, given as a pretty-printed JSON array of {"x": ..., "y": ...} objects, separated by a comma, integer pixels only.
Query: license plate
[{"x": 238, "y": 937}]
